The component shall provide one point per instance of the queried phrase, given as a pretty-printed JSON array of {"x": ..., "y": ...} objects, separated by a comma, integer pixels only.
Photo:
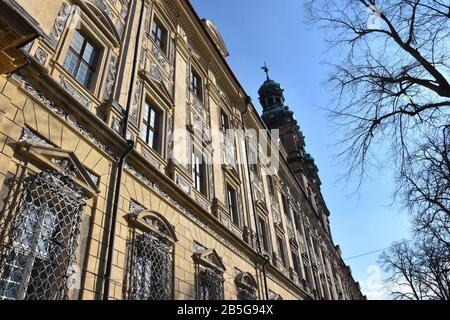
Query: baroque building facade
[{"x": 103, "y": 197}]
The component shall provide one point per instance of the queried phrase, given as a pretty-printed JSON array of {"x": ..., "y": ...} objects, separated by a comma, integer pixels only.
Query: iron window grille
[
  {"x": 81, "y": 59},
  {"x": 151, "y": 268},
  {"x": 246, "y": 286},
  {"x": 210, "y": 284},
  {"x": 36, "y": 260},
  {"x": 209, "y": 275}
]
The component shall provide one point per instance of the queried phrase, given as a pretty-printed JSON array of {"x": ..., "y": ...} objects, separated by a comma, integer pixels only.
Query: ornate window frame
[
  {"x": 106, "y": 44},
  {"x": 246, "y": 286},
  {"x": 156, "y": 237},
  {"x": 209, "y": 267},
  {"x": 43, "y": 221}
]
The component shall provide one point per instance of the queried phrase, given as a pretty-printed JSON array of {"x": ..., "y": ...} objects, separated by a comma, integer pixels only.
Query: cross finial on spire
[{"x": 266, "y": 70}]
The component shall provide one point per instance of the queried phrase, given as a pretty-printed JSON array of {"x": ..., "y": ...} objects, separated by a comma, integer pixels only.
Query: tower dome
[
  {"x": 271, "y": 97},
  {"x": 270, "y": 94}
]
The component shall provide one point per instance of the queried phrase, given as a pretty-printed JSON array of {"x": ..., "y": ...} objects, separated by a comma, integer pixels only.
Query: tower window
[{"x": 81, "y": 59}]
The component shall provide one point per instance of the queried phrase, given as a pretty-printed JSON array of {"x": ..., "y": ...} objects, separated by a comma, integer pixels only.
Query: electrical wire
[{"x": 371, "y": 252}]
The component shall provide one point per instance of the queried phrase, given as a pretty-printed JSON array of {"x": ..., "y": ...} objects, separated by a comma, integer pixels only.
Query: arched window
[
  {"x": 38, "y": 247},
  {"x": 150, "y": 275},
  {"x": 246, "y": 286},
  {"x": 209, "y": 275}
]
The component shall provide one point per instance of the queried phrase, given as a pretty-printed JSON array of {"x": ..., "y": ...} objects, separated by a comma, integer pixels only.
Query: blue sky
[{"x": 274, "y": 31}]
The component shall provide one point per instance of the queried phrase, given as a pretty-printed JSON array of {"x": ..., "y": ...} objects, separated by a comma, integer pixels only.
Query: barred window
[
  {"x": 210, "y": 285},
  {"x": 151, "y": 277},
  {"x": 40, "y": 243},
  {"x": 150, "y": 260},
  {"x": 246, "y": 286},
  {"x": 209, "y": 275}
]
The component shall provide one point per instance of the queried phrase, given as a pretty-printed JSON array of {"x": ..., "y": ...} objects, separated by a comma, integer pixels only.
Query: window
[
  {"x": 246, "y": 286},
  {"x": 232, "y": 205},
  {"x": 150, "y": 130},
  {"x": 296, "y": 262},
  {"x": 270, "y": 185},
  {"x": 281, "y": 250},
  {"x": 150, "y": 267},
  {"x": 35, "y": 262},
  {"x": 198, "y": 171},
  {"x": 309, "y": 276},
  {"x": 298, "y": 223},
  {"x": 286, "y": 208},
  {"x": 196, "y": 84},
  {"x": 151, "y": 270},
  {"x": 253, "y": 160},
  {"x": 263, "y": 236},
  {"x": 210, "y": 285},
  {"x": 224, "y": 121},
  {"x": 81, "y": 59},
  {"x": 209, "y": 275},
  {"x": 159, "y": 35}
]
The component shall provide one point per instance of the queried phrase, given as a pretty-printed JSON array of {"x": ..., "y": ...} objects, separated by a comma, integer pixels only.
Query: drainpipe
[
  {"x": 115, "y": 211},
  {"x": 258, "y": 240},
  {"x": 121, "y": 162}
]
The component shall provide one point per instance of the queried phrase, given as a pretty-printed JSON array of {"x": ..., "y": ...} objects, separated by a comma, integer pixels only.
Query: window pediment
[
  {"x": 63, "y": 161},
  {"x": 246, "y": 280},
  {"x": 209, "y": 258},
  {"x": 100, "y": 11},
  {"x": 154, "y": 222},
  {"x": 157, "y": 84}
]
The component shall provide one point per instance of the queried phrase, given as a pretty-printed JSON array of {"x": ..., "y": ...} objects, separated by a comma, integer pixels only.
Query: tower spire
[{"x": 266, "y": 70}]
